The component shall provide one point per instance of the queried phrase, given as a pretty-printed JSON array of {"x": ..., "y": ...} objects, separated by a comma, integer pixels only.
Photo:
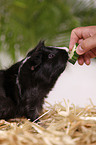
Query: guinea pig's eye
[{"x": 51, "y": 55}]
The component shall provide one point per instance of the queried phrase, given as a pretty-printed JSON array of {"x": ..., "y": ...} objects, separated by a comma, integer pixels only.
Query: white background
[{"x": 77, "y": 83}]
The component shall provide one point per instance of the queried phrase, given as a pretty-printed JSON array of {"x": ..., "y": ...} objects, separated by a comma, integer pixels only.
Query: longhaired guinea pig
[{"x": 25, "y": 84}]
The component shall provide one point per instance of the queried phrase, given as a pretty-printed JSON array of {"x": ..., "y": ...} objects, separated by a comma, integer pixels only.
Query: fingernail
[
  {"x": 87, "y": 62},
  {"x": 81, "y": 62},
  {"x": 79, "y": 50}
]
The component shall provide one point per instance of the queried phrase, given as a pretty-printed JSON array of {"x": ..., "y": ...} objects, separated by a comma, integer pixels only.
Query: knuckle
[{"x": 74, "y": 30}]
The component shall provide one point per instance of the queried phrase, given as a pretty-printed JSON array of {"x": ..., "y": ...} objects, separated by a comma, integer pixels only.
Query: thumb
[{"x": 86, "y": 45}]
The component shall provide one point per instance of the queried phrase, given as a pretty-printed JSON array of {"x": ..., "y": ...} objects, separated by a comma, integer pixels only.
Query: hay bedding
[{"x": 58, "y": 125}]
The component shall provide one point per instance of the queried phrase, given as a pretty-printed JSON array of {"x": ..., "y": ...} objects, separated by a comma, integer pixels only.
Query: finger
[
  {"x": 88, "y": 55},
  {"x": 81, "y": 33},
  {"x": 80, "y": 41},
  {"x": 86, "y": 45},
  {"x": 91, "y": 54},
  {"x": 87, "y": 58},
  {"x": 94, "y": 51},
  {"x": 75, "y": 36},
  {"x": 81, "y": 60}
]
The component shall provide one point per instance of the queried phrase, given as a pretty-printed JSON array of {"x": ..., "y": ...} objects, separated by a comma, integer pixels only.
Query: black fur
[{"x": 24, "y": 85}]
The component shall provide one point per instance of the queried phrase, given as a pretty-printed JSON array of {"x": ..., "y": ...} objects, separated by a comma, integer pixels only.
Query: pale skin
[{"x": 86, "y": 38}]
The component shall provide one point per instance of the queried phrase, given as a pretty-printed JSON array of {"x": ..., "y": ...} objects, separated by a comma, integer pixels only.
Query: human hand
[{"x": 86, "y": 38}]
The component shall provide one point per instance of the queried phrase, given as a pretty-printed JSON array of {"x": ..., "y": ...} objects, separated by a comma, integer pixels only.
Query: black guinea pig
[{"x": 25, "y": 84}]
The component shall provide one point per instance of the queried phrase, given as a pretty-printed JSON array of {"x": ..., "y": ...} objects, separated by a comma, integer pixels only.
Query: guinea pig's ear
[
  {"x": 39, "y": 46},
  {"x": 33, "y": 67}
]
